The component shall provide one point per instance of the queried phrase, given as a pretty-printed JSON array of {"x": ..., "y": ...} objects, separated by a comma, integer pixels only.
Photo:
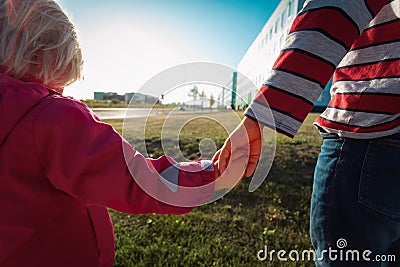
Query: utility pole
[{"x": 234, "y": 88}]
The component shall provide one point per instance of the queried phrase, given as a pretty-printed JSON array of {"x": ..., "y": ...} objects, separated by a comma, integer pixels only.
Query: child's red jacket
[{"x": 60, "y": 168}]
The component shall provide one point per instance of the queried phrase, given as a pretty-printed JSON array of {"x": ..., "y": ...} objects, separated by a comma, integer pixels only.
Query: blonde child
[{"x": 60, "y": 166}]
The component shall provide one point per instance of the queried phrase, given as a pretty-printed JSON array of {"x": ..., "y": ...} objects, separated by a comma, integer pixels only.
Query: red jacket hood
[{"x": 18, "y": 97}]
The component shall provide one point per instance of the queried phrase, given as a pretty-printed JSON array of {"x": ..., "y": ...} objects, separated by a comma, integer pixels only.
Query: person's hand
[
  {"x": 232, "y": 175},
  {"x": 242, "y": 148}
]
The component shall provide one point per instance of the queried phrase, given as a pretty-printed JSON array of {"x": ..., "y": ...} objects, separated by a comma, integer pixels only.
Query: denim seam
[
  {"x": 361, "y": 189},
  {"x": 334, "y": 178}
]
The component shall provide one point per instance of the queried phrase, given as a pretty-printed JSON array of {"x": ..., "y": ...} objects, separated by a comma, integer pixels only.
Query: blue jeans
[{"x": 355, "y": 204}]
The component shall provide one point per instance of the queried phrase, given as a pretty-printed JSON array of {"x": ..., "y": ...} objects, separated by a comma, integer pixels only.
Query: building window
[
  {"x": 291, "y": 8},
  {"x": 276, "y": 25},
  {"x": 283, "y": 19},
  {"x": 270, "y": 33}
]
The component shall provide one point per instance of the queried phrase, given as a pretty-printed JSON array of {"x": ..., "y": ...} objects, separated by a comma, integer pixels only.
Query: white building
[{"x": 262, "y": 53}]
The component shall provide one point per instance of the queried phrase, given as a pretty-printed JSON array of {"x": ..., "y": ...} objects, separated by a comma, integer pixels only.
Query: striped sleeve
[
  {"x": 320, "y": 37},
  {"x": 366, "y": 99}
]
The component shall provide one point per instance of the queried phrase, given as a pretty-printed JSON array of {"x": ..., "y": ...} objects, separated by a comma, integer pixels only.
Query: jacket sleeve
[
  {"x": 321, "y": 35},
  {"x": 91, "y": 162}
]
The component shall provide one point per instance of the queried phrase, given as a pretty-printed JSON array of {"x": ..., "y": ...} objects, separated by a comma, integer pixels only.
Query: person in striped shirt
[{"x": 357, "y": 176}]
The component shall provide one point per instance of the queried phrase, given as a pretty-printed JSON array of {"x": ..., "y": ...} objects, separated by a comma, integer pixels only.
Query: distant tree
[
  {"x": 212, "y": 101},
  {"x": 194, "y": 92},
  {"x": 202, "y": 95}
]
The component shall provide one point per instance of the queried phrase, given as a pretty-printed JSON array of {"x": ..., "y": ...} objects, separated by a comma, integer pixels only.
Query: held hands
[{"x": 239, "y": 155}]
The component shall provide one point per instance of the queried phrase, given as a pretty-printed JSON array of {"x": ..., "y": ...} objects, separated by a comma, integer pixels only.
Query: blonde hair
[{"x": 37, "y": 39}]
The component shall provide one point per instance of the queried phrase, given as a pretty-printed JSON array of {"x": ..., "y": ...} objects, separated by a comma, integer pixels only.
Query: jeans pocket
[{"x": 379, "y": 186}]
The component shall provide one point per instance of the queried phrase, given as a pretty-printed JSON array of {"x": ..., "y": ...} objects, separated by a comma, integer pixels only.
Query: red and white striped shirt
[{"x": 357, "y": 41}]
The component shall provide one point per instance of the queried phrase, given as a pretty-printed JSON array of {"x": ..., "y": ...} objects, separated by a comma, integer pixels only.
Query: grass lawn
[{"x": 230, "y": 231}]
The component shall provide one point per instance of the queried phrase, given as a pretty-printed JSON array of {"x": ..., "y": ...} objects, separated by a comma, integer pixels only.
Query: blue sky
[{"x": 125, "y": 42}]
